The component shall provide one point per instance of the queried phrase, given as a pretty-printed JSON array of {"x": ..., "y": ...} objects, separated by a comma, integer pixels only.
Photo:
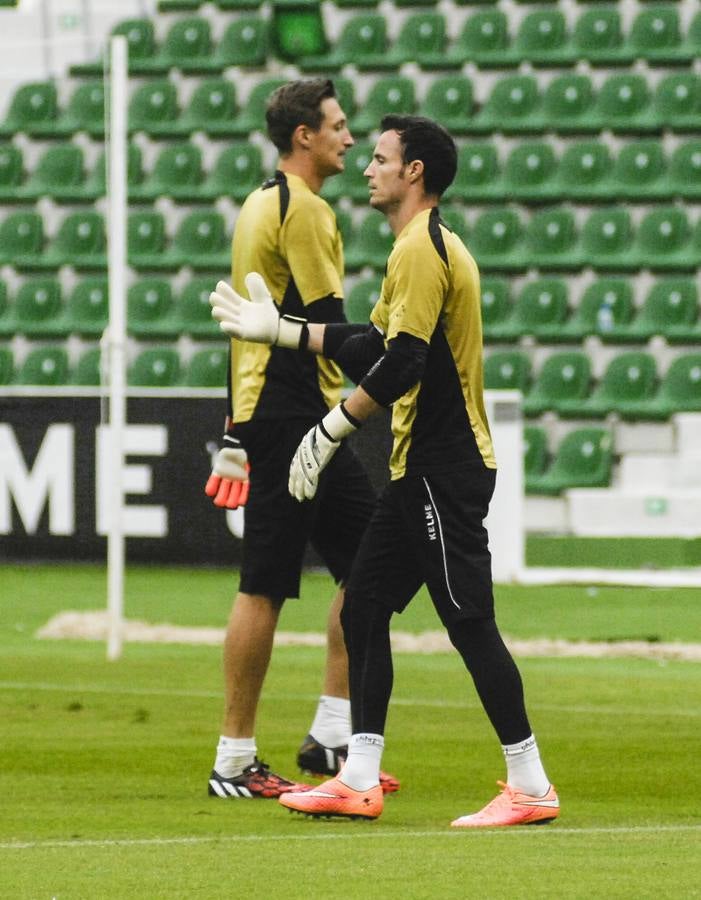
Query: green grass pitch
[{"x": 104, "y": 765}]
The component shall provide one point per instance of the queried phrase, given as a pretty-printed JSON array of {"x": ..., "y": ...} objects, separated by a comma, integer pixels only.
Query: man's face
[
  {"x": 386, "y": 173},
  {"x": 330, "y": 143}
]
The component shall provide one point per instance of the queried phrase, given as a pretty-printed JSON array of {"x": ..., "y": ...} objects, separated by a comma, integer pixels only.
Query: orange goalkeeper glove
[{"x": 228, "y": 484}]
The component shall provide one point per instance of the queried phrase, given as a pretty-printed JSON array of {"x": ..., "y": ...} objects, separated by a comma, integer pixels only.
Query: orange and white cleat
[
  {"x": 319, "y": 761},
  {"x": 512, "y": 807},
  {"x": 335, "y": 799}
]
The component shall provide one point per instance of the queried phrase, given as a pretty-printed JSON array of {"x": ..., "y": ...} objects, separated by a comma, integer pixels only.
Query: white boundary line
[{"x": 374, "y": 835}]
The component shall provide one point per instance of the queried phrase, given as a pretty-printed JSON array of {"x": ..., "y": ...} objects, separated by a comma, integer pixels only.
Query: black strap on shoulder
[
  {"x": 434, "y": 223},
  {"x": 279, "y": 179}
]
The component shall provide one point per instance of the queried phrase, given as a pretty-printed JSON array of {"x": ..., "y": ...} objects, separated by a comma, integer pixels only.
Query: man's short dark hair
[
  {"x": 293, "y": 104},
  {"x": 424, "y": 139}
]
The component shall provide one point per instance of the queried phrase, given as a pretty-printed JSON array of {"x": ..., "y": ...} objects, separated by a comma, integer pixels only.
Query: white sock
[
  {"x": 524, "y": 770},
  {"x": 233, "y": 755},
  {"x": 331, "y": 726},
  {"x": 362, "y": 768}
]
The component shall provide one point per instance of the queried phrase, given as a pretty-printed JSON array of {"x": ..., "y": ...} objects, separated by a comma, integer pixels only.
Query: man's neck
[
  {"x": 401, "y": 215},
  {"x": 302, "y": 167}
]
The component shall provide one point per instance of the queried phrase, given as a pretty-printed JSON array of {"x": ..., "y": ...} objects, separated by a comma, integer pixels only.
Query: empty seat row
[
  {"x": 630, "y": 387},
  {"x": 39, "y": 308},
  {"x": 178, "y": 172},
  {"x": 583, "y": 458},
  {"x": 49, "y": 366},
  {"x": 543, "y": 39}
]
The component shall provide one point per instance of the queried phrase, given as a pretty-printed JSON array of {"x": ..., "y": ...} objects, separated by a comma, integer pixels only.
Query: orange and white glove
[{"x": 228, "y": 484}]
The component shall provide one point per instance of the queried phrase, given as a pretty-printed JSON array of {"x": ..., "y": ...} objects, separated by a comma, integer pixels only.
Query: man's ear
[
  {"x": 415, "y": 170},
  {"x": 301, "y": 136}
]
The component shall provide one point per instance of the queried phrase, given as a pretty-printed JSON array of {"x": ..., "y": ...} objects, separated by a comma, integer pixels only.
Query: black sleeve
[
  {"x": 325, "y": 309},
  {"x": 398, "y": 370},
  {"x": 356, "y": 348}
]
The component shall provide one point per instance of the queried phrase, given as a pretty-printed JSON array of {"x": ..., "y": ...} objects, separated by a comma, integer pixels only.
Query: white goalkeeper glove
[
  {"x": 228, "y": 484},
  {"x": 257, "y": 319},
  {"x": 316, "y": 449}
]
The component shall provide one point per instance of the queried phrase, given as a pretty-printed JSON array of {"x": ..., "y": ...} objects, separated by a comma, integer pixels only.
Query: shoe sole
[{"x": 329, "y": 815}]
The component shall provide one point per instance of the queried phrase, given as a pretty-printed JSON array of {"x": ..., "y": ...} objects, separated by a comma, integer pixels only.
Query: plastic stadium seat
[
  {"x": 80, "y": 242},
  {"x": 87, "y": 372},
  {"x": 361, "y": 299},
  {"x": 370, "y": 244},
  {"x": 483, "y": 40},
  {"x": 236, "y": 5},
  {"x": 597, "y": 37},
  {"x": 179, "y": 5},
  {"x": 150, "y": 308},
  {"x": 146, "y": 240},
  {"x": 7, "y": 365},
  {"x": 478, "y": 176},
  {"x": 514, "y": 107},
  {"x": 200, "y": 242},
  {"x": 177, "y": 173},
  {"x": 345, "y": 94},
  {"x": 552, "y": 240},
  {"x": 629, "y": 378},
  {"x": 541, "y": 309},
  {"x": 85, "y": 112},
  {"x": 583, "y": 459},
  {"x": 351, "y": 182},
  {"x": 584, "y": 172},
  {"x": 529, "y": 172},
  {"x": 605, "y": 309},
  {"x": 690, "y": 48},
  {"x": 141, "y": 43},
  {"x": 678, "y": 102},
  {"x": 207, "y": 368},
  {"x": 624, "y": 105},
  {"x": 252, "y": 116},
  {"x": 670, "y": 309},
  {"x": 535, "y": 450},
  {"x": 496, "y": 241},
  {"x": 87, "y": 308},
  {"x": 95, "y": 185},
  {"x": 449, "y": 101},
  {"x": 421, "y": 39},
  {"x": 561, "y": 385},
  {"x": 607, "y": 240},
  {"x": 212, "y": 108},
  {"x": 155, "y": 367},
  {"x": 568, "y": 104},
  {"x": 507, "y": 370},
  {"x": 363, "y": 37},
  {"x": 391, "y": 94},
  {"x": 663, "y": 241},
  {"x": 153, "y": 108},
  {"x": 11, "y": 172},
  {"x": 640, "y": 171},
  {"x": 45, "y": 367},
  {"x": 344, "y": 220},
  {"x": 193, "y": 314},
  {"x": 685, "y": 171},
  {"x": 403, "y": 3},
  {"x": 497, "y": 310},
  {"x": 38, "y": 309},
  {"x": 59, "y": 171},
  {"x": 542, "y": 39},
  {"x": 297, "y": 29},
  {"x": 236, "y": 172},
  {"x": 244, "y": 43},
  {"x": 186, "y": 46},
  {"x": 453, "y": 218},
  {"x": 679, "y": 390},
  {"x": 356, "y": 4},
  {"x": 21, "y": 239},
  {"x": 655, "y": 37},
  {"x": 33, "y": 110},
  {"x": 6, "y": 313}
]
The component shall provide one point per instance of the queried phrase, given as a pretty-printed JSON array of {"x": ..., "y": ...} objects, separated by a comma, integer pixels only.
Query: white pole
[{"x": 117, "y": 261}]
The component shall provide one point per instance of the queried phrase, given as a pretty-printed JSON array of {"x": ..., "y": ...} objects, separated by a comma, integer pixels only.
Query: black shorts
[
  {"x": 277, "y": 527},
  {"x": 428, "y": 529}
]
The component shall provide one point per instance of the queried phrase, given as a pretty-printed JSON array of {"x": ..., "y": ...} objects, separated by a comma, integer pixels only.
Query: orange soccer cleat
[
  {"x": 334, "y": 798},
  {"x": 512, "y": 807},
  {"x": 315, "y": 759}
]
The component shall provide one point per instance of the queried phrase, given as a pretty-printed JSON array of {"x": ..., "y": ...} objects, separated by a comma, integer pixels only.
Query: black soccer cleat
[
  {"x": 323, "y": 762},
  {"x": 256, "y": 780}
]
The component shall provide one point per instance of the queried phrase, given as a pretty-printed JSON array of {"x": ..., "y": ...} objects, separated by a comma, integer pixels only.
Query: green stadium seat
[
  {"x": 568, "y": 105},
  {"x": 80, "y": 242},
  {"x": 212, "y": 109},
  {"x": 552, "y": 240},
  {"x": 543, "y": 40},
  {"x": 583, "y": 459},
  {"x": 193, "y": 313},
  {"x": 59, "y": 174},
  {"x": 561, "y": 385},
  {"x": 584, "y": 172},
  {"x": 45, "y": 366},
  {"x": 356, "y": 4},
  {"x": 454, "y": 219},
  {"x": 7, "y": 365},
  {"x": 497, "y": 310},
  {"x": 640, "y": 172},
  {"x": 244, "y": 43},
  {"x": 541, "y": 309},
  {"x": 478, "y": 177},
  {"x": 598, "y": 38},
  {"x": 95, "y": 184},
  {"x": 422, "y": 39},
  {"x": 663, "y": 241},
  {"x": 513, "y": 106},
  {"x": 655, "y": 36},
  {"x": 671, "y": 310},
  {"x": 685, "y": 171},
  {"x": 679, "y": 390},
  {"x": 390, "y": 94},
  {"x": 677, "y": 102},
  {"x": 21, "y": 239},
  {"x": 155, "y": 367},
  {"x": 607, "y": 240},
  {"x": 33, "y": 110},
  {"x": 87, "y": 372},
  {"x": 690, "y": 47},
  {"x": 85, "y": 112},
  {"x": 200, "y": 242},
  {"x": 7, "y": 317},
  {"x": 529, "y": 172},
  {"x": 252, "y": 117},
  {"x": 187, "y": 46},
  {"x": 535, "y": 450},
  {"x": 207, "y": 368},
  {"x": 351, "y": 182},
  {"x": 507, "y": 370},
  {"x": 141, "y": 43},
  {"x": 344, "y": 220},
  {"x": 496, "y": 241},
  {"x": 11, "y": 172},
  {"x": 361, "y": 299},
  {"x": 297, "y": 29},
  {"x": 629, "y": 378},
  {"x": 153, "y": 108},
  {"x": 179, "y": 5},
  {"x": 38, "y": 309},
  {"x": 363, "y": 37},
  {"x": 146, "y": 240},
  {"x": 87, "y": 308},
  {"x": 403, "y": 3},
  {"x": 150, "y": 309},
  {"x": 345, "y": 94},
  {"x": 177, "y": 173},
  {"x": 624, "y": 105},
  {"x": 236, "y": 5},
  {"x": 483, "y": 40},
  {"x": 605, "y": 309},
  {"x": 370, "y": 243},
  {"x": 449, "y": 101},
  {"x": 236, "y": 172}
]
